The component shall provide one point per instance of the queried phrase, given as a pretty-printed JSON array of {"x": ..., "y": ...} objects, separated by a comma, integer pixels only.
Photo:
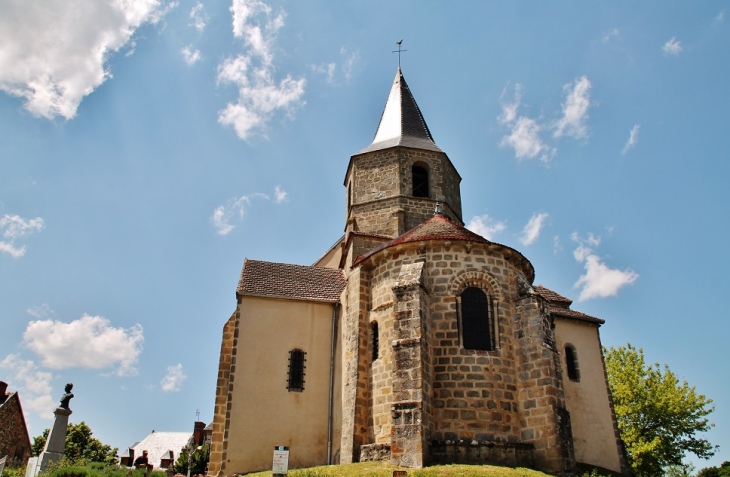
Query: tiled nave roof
[{"x": 285, "y": 280}]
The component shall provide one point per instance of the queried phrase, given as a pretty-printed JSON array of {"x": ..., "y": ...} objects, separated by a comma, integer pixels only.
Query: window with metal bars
[
  {"x": 571, "y": 362},
  {"x": 296, "y": 370},
  {"x": 476, "y": 325},
  {"x": 420, "y": 181},
  {"x": 375, "y": 339}
]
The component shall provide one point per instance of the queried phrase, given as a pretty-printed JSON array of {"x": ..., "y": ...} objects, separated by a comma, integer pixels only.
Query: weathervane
[{"x": 399, "y": 50}]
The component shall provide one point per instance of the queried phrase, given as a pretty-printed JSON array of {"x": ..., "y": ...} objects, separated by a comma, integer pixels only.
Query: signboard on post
[{"x": 281, "y": 461}]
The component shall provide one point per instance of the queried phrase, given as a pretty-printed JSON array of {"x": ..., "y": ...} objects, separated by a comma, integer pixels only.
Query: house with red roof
[{"x": 411, "y": 340}]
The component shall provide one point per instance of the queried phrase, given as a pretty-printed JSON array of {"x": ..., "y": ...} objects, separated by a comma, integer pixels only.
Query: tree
[
  {"x": 198, "y": 461},
  {"x": 722, "y": 471},
  {"x": 658, "y": 416},
  {"x": 81, "y": 447}
]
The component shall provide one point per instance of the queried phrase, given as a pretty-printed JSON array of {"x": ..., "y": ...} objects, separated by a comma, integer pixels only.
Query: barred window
[
  {"x": 571, "y": 362},
  {"x": 475, "y": 320},
  {"x": 420, "y": 181},
  {"x": 375, "y": 339},
  {"x": 296, "y": 370}
]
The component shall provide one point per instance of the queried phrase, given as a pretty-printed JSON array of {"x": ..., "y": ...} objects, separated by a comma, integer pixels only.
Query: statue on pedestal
[{"x": 67, "y": 397}]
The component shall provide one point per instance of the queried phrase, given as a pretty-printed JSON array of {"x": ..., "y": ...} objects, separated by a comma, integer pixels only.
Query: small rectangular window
[{"x": 296, "y": 370}]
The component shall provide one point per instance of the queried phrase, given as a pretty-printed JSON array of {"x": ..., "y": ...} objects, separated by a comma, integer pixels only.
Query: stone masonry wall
[
  {"x": 379, "y": 187},
  {"x": 14, "y": 439},
  {"x": 545, "y": 421},
  {"x": 221, "y": 414},
  {"x": 355, "y": 366},
  {"x": 410, "y": 434}
]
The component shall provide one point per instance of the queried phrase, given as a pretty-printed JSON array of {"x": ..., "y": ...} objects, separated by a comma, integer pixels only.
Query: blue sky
[{"x": 147, "y": 148}]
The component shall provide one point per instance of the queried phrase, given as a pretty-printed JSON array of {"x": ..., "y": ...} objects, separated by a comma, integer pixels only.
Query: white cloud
[
  {"x": 89, "y": 342},
  {"x": 225, "y": 214},
  {"x": 329, "y": 70},
  {"x": 525, "y": 140},
  {"x": 611, "y": 34},
  {"x": 198, "y": 17},
  {"x": 509, "y": 110},
  {"x": 235, "y": 209},
  {"x": 557, "y": 246},
  {"x": 486, "y": 226},
  {"x": 33, "y": 384},
  {"x": 599, "y": 281},
  {"x": 532, "y": 229},
  {"x": 672, "y": 47},
  {"x": 633, "y": 139},
  {"x": 575, "y": 109},
  {"x": 279, "y": 195},
  {"x": 524, "y": 137},
  {"x": 260, "y": 96},
  {"x": 42, "y": 311},
  {"x": 348, "y": 64},
  {"x": 720, "y": 16},
  {"x": 191, "y": 56},
  {"x": 16, "y": 228},
  {"x": 173, "y": 379},
  {"x": 53, "y": 53}
]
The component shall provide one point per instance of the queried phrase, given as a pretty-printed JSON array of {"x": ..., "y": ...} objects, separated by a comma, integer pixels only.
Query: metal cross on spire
[{"x": 399, "y": 50}]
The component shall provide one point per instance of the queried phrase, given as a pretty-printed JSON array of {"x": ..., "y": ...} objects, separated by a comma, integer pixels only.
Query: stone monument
[{"x": 56, "y": 442}]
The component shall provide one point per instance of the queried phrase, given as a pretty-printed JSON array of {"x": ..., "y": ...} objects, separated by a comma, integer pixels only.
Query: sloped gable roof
[
  {"x": 158, "y": 443},
  {"x": 285, "y": 280},
  {"x": 560, "y": 306}
]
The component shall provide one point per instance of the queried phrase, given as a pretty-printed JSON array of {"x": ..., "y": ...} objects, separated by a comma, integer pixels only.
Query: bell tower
[{"x": 396, "y": 182}]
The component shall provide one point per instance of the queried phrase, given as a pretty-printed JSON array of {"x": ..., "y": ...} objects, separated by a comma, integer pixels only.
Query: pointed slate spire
[{"x": 402, "y": 123}]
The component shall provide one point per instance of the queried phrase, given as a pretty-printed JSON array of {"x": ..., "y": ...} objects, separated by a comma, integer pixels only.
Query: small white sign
[{"x": 281, "y": 461}]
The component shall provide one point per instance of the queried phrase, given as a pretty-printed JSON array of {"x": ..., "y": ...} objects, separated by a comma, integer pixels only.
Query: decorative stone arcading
[{"x": 475, "y": 278}]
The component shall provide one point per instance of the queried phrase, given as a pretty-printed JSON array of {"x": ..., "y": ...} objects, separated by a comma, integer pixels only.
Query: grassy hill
[{"x": 382, "y": 469}]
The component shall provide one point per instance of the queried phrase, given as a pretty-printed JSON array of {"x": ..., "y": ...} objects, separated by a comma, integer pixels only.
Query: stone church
[{"x": 411, "y": 340}]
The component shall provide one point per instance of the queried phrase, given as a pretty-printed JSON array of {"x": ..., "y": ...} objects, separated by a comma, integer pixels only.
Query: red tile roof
[
  {"x": 553, "y": 297},
  {"x": 438, "y": 227},
  {"x": 576, "y": 315},
  {"x": 284, "y": 280}
]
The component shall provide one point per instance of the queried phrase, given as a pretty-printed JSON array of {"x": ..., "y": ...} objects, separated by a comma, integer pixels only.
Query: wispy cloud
[
  {"x": 633, "y": 139},
  {"x": 532, "y": 229},
  {"x": 54, "y": 55},
  {"x": 279, "y": 195},
  {"x": 613, "y": 33},
  {"x": 198, "y": 17},
  {"x": 234, "y": 210},
  {"x": 330, "y": 70},
  {"x": 15, "y": 228},
  {"x": 672, "y": 47},
  {"x": 599, "y": 281},
  {"x": 326, "y": 69},
  {"x": 191, "y": 56},
  {"x": 89, "y": 342},
  {"x": 486, "y": 226},
  {"x": 33, "y": 384},
  {"x": 260, "y": 96},
  {"x": 524, "y": 136},
  {"x": 575, "y": 109},
  {"x": 42, "y": 311},
  {"x": 173, "y": 379},
  {"x": 720, "y": 16}
]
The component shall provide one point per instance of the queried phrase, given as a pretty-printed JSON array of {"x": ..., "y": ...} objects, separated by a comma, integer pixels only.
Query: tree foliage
[
  {"x": 722, "y": 471},
  {"x": 198, "y": 461},
  {"x": 81, "y": 446},
  {"x": 658, "y": 416}
]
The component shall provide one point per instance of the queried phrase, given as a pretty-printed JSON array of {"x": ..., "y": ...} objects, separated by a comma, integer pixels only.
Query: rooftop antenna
[
  {"x": 197, "y": 414},
  {"x": 399, "y": 50}
]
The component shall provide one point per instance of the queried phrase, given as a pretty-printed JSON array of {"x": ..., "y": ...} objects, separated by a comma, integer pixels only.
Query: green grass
[{"x": 382, "y": 469}]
